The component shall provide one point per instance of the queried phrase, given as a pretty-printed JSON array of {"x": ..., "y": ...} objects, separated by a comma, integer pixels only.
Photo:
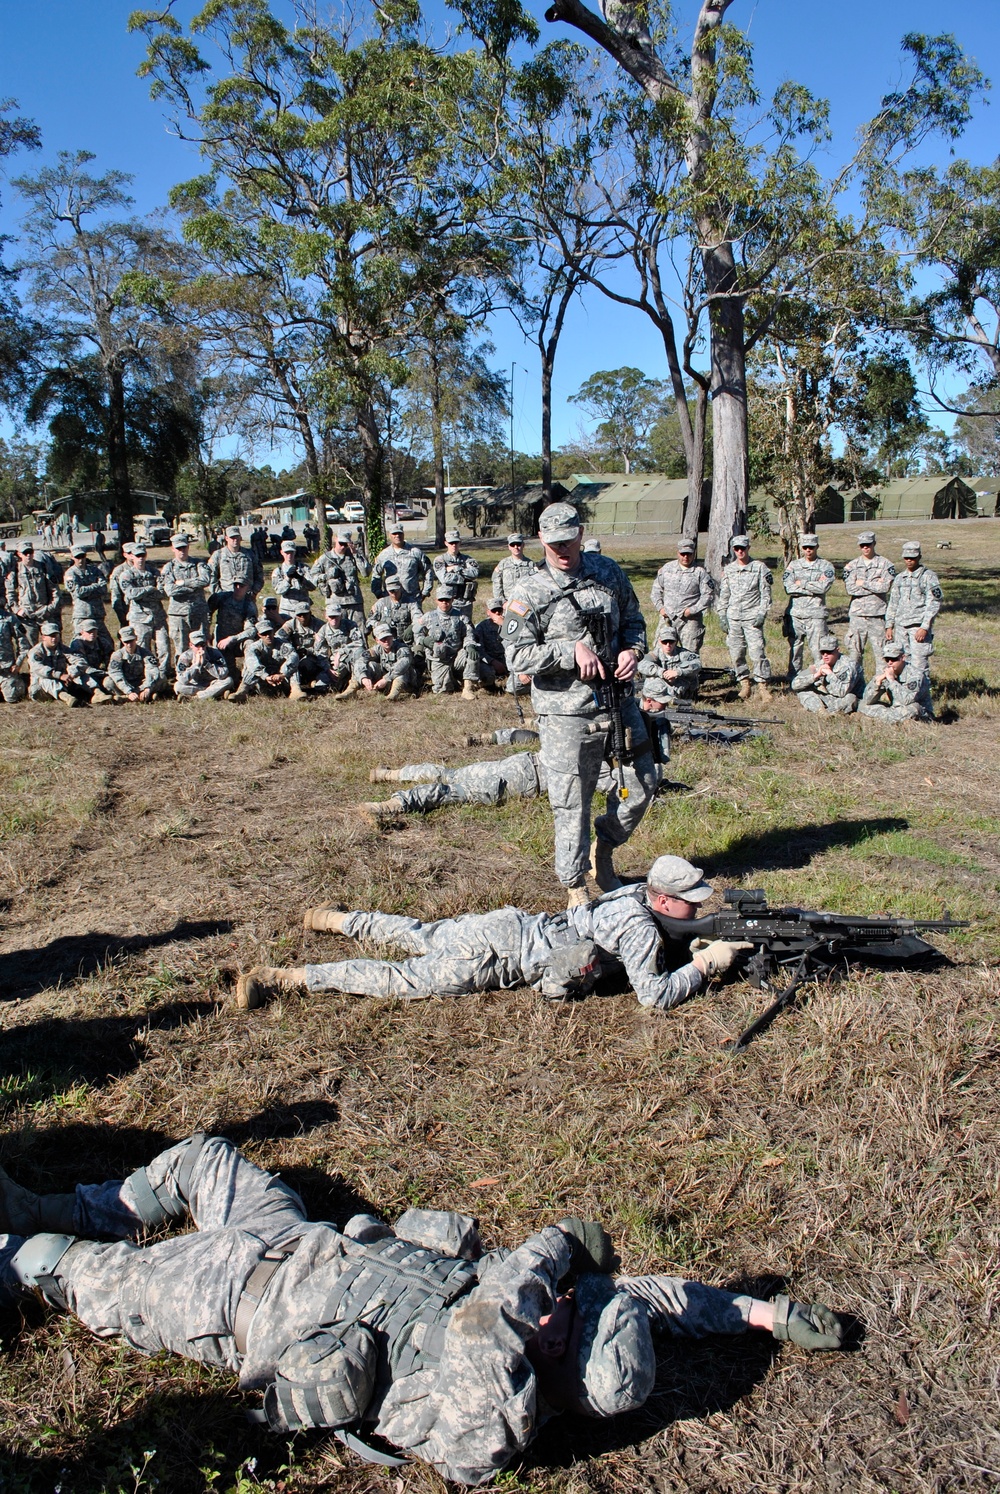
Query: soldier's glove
[
  {"x": 593, "y": 1247},
  {"x": 811, "y": 1327},
  {"x": 716, "y": 958}
]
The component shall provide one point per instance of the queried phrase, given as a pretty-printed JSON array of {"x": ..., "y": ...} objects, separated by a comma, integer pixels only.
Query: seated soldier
[
  {"x": 235, "y": 622},
  {"x": 668, "y": 673},
  {"x": 338, "y": 643},
  {"x": 53, "y": 673},
  {"x": 901, "y": 692},
  {"x": 448, "y": 645},
  {"x": 13, "y": 685},
  {"x": 135, "y": 673},
  {"x": 270, "y": 667},
  {"x": 387, "y": 667},
  {"x": 493, "y": 669},
  {"x": 202, "y": 671},
  {"x": 416, "y": 1334},
  {"x": 833, "y": 684},
  {"x": 401, "y": 616},
  {"x": 300, "y": 631},
  {"x": 94, "y": 655}
]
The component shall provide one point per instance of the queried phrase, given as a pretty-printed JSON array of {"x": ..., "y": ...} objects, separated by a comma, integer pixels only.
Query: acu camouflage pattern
[
  {"x": 744, "y": 602},
  {"x": 837, "y": 691},
  {"x": 401, "y": 617},
  {"x": 229, "y": 567},
  {"x": 678, "y": 589},
  {"x": 13, "y": 686},
  {"x": 868, "y": 583},
  {"x": 262, "y": 658},
  {"x": 143, "y": 608},
  {"x": 340, "y": 576},
  {"x": 509, "y": 573},
  {"x": 378, "y": 664},
  {"x": 905, "y": 699},
  {"x": 914, "y": 602},
  {"x": 685, "y": 662},
  {"x": 807, "y": 583},
  {"x": 205, "y": 679},
  {"x": 130, "y": 673},
  {"x": 519, "y": 776},
  {"x": 448, "y": 644},
  {"x": 292, "y": 584},
  {"x": 412, "y": 567},
  {"x": 88, "y": 589},
  {"x": 461, "y": 573}
]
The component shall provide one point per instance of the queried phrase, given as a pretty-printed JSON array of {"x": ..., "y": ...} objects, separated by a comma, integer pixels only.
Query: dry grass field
[{"x": 852, "y": 1152}]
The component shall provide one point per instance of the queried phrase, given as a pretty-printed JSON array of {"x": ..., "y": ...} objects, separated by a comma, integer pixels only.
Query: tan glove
[{"x": 717, "y": 957}]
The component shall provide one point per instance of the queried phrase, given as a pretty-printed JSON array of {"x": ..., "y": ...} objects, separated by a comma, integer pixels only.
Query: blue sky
[{"x": 71, "y": 66}]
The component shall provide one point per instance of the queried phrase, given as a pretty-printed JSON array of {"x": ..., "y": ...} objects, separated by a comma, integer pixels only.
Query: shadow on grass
[
  {"x": 24, "y": 972},
  {"x": 973, "y": 684},
  {"x": 794, "y": 846}
]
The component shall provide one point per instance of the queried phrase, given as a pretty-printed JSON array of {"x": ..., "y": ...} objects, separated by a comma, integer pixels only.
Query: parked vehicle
[{"x": 354, "y": 512}]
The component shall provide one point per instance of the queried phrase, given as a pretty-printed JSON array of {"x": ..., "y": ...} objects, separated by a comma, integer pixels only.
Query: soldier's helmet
[{"x": 617, "y": 1362}]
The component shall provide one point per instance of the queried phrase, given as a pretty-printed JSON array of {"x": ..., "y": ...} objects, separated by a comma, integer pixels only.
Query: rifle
[
  {"x": 801, "y": 943},
  {"x": 678, "y": 714},
  {"x": 609, "y": 693}
]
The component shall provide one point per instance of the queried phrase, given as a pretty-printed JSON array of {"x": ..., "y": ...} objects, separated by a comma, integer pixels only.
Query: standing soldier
[
  {"x": 512, "y": 569},
  {"x": 408, "y": 562},
  {"x": 868, "y": 581},
  {"x": 682, "y": 594},
  {"x": 291, "y": 583},
  {"x": 185, "y": 582},
  {"x": 573, "y": 625},
  {"x": 139, "y": 586},
  {"x": 807, "y": 581},
  {"x": 338, "y": 575},
  {"x": 458, "y": 571},
  {"x": 88, "y": 588},
  {"x": 12, "y": 683},
  {"x": 914, "y": 603},
  {"x": 30, "y": 593},
  {"x": 744, "y": 602},
  {"x": 119, "y": 602},
  {"x": 233, "y": 563},
  {"x": 449, "y": 646}
]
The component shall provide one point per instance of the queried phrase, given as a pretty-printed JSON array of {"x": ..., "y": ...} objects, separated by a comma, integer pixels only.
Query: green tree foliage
[
  {"x": 22, "y": 465},
  {"x": 977, "y": 434},
  {"x": 885, "y": 414},
  {"x": 18, "y": 334},
  {"x": 626, "y": 405}
]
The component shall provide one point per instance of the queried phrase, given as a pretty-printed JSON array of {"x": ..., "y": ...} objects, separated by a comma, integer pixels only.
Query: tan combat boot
[
  {"x": 577, "y": 896},
  {"x": 328, "y": 918},
  {"x": 763, "y": 691},
  {"x": 602, "y": 865},
  {"x": 264, "y": 982},
  {"x": 745, "y": 688},
  {"x": 396, "y": 689},
  {"x": 25, "y": 1213},
  {"x": 385, "y": 809},
  {"x": 352, "y": 687},
  {"x": 240, "y": 694},
  {"x": 383, "y": 775},
  {"x": 470, "y": 689},
  {"x": 296, "y": 692},
  {"x": 101, "y": 697},
  {"x": 65, "y": 698}
]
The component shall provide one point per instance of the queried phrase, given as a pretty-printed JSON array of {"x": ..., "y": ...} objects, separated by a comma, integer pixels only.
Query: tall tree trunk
[
  {"x": 730, "y": 439},
  {"x": 437, "y": 443},
  {"x": 547, "y": 349},
  {"x": 118, "y": 478},
  {"x": 371, "y": 454},
  {"x": 696, "y": 466}
]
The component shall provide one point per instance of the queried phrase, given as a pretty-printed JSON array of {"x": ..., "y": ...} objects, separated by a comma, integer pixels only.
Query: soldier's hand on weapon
[
  {"x": 811, "y": 1327},
  {"x": 588, "y": 663},
  {"x": 627, "y": 664},
  {"x": 718, "y": 956},
  {"x": 593, "y": 1247}
]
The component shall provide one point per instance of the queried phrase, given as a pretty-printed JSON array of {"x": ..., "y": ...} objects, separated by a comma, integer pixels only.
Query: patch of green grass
[{"x": 919, "y": 847}]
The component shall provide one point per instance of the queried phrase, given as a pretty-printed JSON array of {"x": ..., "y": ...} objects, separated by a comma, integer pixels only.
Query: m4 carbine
[
  {"x": 800, "y": 943},
  {"x": 609, "y": 693}
]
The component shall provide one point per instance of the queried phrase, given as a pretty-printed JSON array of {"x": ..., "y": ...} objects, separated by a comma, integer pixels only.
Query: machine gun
[{"x": 799, "y": 943}]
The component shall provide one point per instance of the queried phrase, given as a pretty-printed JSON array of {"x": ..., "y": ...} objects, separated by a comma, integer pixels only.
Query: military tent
[
  {"x": 861, "y": 505},
  {"x": 644, "y": 504},
  {"x": 936, "y": 497},
  {"x": 987, "y": 491}
]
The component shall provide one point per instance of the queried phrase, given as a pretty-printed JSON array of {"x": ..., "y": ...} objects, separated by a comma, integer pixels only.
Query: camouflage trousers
[
  {"x": 181, "y": 625},
  {"x": 518, "y": 777},
  {"x": 690, "y": 632},
  {"x": 13, "y": 687},
  {"x": 452, "y": 957},
  {"x": 155, "y": 636},
  {"x": 572, "y": 759},
  {"x": 838, "y": 705},
  {"x": 918, "y": 654},
  {"x": 862, "y": 631},
  {"x": 804, "y": 630},
  {"x": 747, "y": 639},
  {"x": 447, "y": 674},
  {"x": 205, "y": 692},
  {"x": 893, "y": 713}
]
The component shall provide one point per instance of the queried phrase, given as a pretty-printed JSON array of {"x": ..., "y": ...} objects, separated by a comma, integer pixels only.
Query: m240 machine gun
[{"x": 794, "y": 945}]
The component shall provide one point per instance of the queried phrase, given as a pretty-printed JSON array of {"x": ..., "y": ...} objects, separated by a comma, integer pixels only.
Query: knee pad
[
  {"x": 35, "y": 1263},
  {"x": 155, "y": 1205}
]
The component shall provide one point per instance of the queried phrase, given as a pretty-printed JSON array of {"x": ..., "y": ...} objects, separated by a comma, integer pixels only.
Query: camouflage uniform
[
  {"x": 461, "y": 573},
  {"x": 32, "y": 596},
  {"x": 868, "y": 583},
  {"x": 914, "y": 602},
  {"x": 837, "y": 691},
  {"x": 412, "y": 567},
  {"x": 744, "y": 602},
  {"x": 679, "y": 588},
  {"x": 301, "y": 631},
  {"x": 144, "y": 609},
  {"x": 47, "y": 666},
  {"x": 905, "y": 699},
  {"x": 235, "y": 619},
  {"x": 401, "y": 617},
  {"x": 665, "y": 692},
  {"x": 375, "y": 664},
  {"x": 130, "y": 673},
  {"x": 339, "y": 576},
  {"x": 451, "y": 1382},
  {"x": 94, "y": 658},
  {"x": 204, "y": 679},
  {"x": 492, "y": 659},
  {"x": 807, "y": 583},
  {"x": 88, "y": 588},
  {"x": 448, "y": 644},
  {"x": 226, "y": 567},
  {"x": 338, "y": 643},
  {"x": 119, "y": 604},
  {"x": 263, "y": 657},
  {"x": 13, "y": 686},
  {"x": 519, "y": 776},
  {"x": 184, "y": 582},
  {"x": 546, "y": 617},
  {"x": 292, "y": 585},
  {"x": 510, "y": 572}
]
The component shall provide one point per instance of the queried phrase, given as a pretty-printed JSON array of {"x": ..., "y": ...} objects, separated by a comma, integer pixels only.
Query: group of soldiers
[{"x": 891, "y": 613}]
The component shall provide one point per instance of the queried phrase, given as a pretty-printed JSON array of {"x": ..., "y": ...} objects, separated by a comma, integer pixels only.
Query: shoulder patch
[{"x": 520, "y": 608}]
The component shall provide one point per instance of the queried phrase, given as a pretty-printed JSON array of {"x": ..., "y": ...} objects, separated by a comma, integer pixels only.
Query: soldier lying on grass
[{"x": 452, "y": 1355}]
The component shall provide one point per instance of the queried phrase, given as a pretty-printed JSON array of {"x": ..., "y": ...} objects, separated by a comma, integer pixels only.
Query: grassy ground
[{"x": 853, "y": 1152}]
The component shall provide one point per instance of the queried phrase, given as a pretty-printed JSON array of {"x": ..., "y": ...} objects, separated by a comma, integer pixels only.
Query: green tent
[
  {"x": 936, "y": 497},
  {"x": 987, "y": 491},
  {"x": 643, "y": 504}
]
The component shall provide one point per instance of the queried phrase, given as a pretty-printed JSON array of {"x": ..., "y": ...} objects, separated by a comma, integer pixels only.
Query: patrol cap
[
  {"x": 393, "y": 584},
  {"x": 50, "y": 629},
  {"x": 808, "y": 542},
  {"x": 85, "y": 625},
  {"x": 382, "y": 631},
  {"x": 452, "y": 536},
  {"x": 445, "y": 593},
  {"x": 678, "y": 878},
  {"x": 592, "y": 547},
  {"x": 334, "y": 608},
  {"x": 395, "y": 529},
  {"x": 265, "y": 625},
  {"x": 197, "y": 636},
  {"x": 79, "y": 550},
  {"x": 180, "y": 541},
  {"x": 515, "y": 539},
  {"x": 137, "y": 549},
  {"x": 866, "y": 537},
  {"x": 617, "y": 1361},
  {"x": 232, "y": 533},
  {"x": 667, "y": 635},
  {"x": 911, "y": 548},
  {"x": 126, "y": 635},
  {"x": 288, "y": 545},
  {"x": 495, "y": 604},
  {"x": 25, "y": 547},
  {"x": 740, "y": 541},
  {"x": 345, "y": 536},
  {"x": 270, "y": 601},
  {"x": 893, "y": 651},
  {"x": 686, "y": 547},
  {"x": 558, "y": 522},
  {"x": 828, "y": 643}
]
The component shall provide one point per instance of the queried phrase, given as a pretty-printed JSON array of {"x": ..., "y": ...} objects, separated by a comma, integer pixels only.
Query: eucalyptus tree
[{"x": 18, "y": 334}]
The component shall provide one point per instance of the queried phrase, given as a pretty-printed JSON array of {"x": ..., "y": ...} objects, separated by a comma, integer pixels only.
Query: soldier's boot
[
  {"x": 352, "y": 687},
  {"x": 383, "y": 775},
  {"x": 577, "y": 896},
  {"x": 385, "y": 809},
  {"x": 23, "y": 1212},
  {"x": 328, "y": 918},
  {"x": 101, "y": 697},
  {"x": 763, "y": 691},
  {"x": 66, "y": 699},
  {"x": 602, "y": 865},
  {"x": 263, "y": 982},
  {"x": 470, "y": 689},
  {"x": 296, "y": 692},
  {"x": 745, "y": 688},
  {"x": 396, "y": 689},
  {"x": 479, "y": 740},
  {"x": 240, "y": 694}
]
